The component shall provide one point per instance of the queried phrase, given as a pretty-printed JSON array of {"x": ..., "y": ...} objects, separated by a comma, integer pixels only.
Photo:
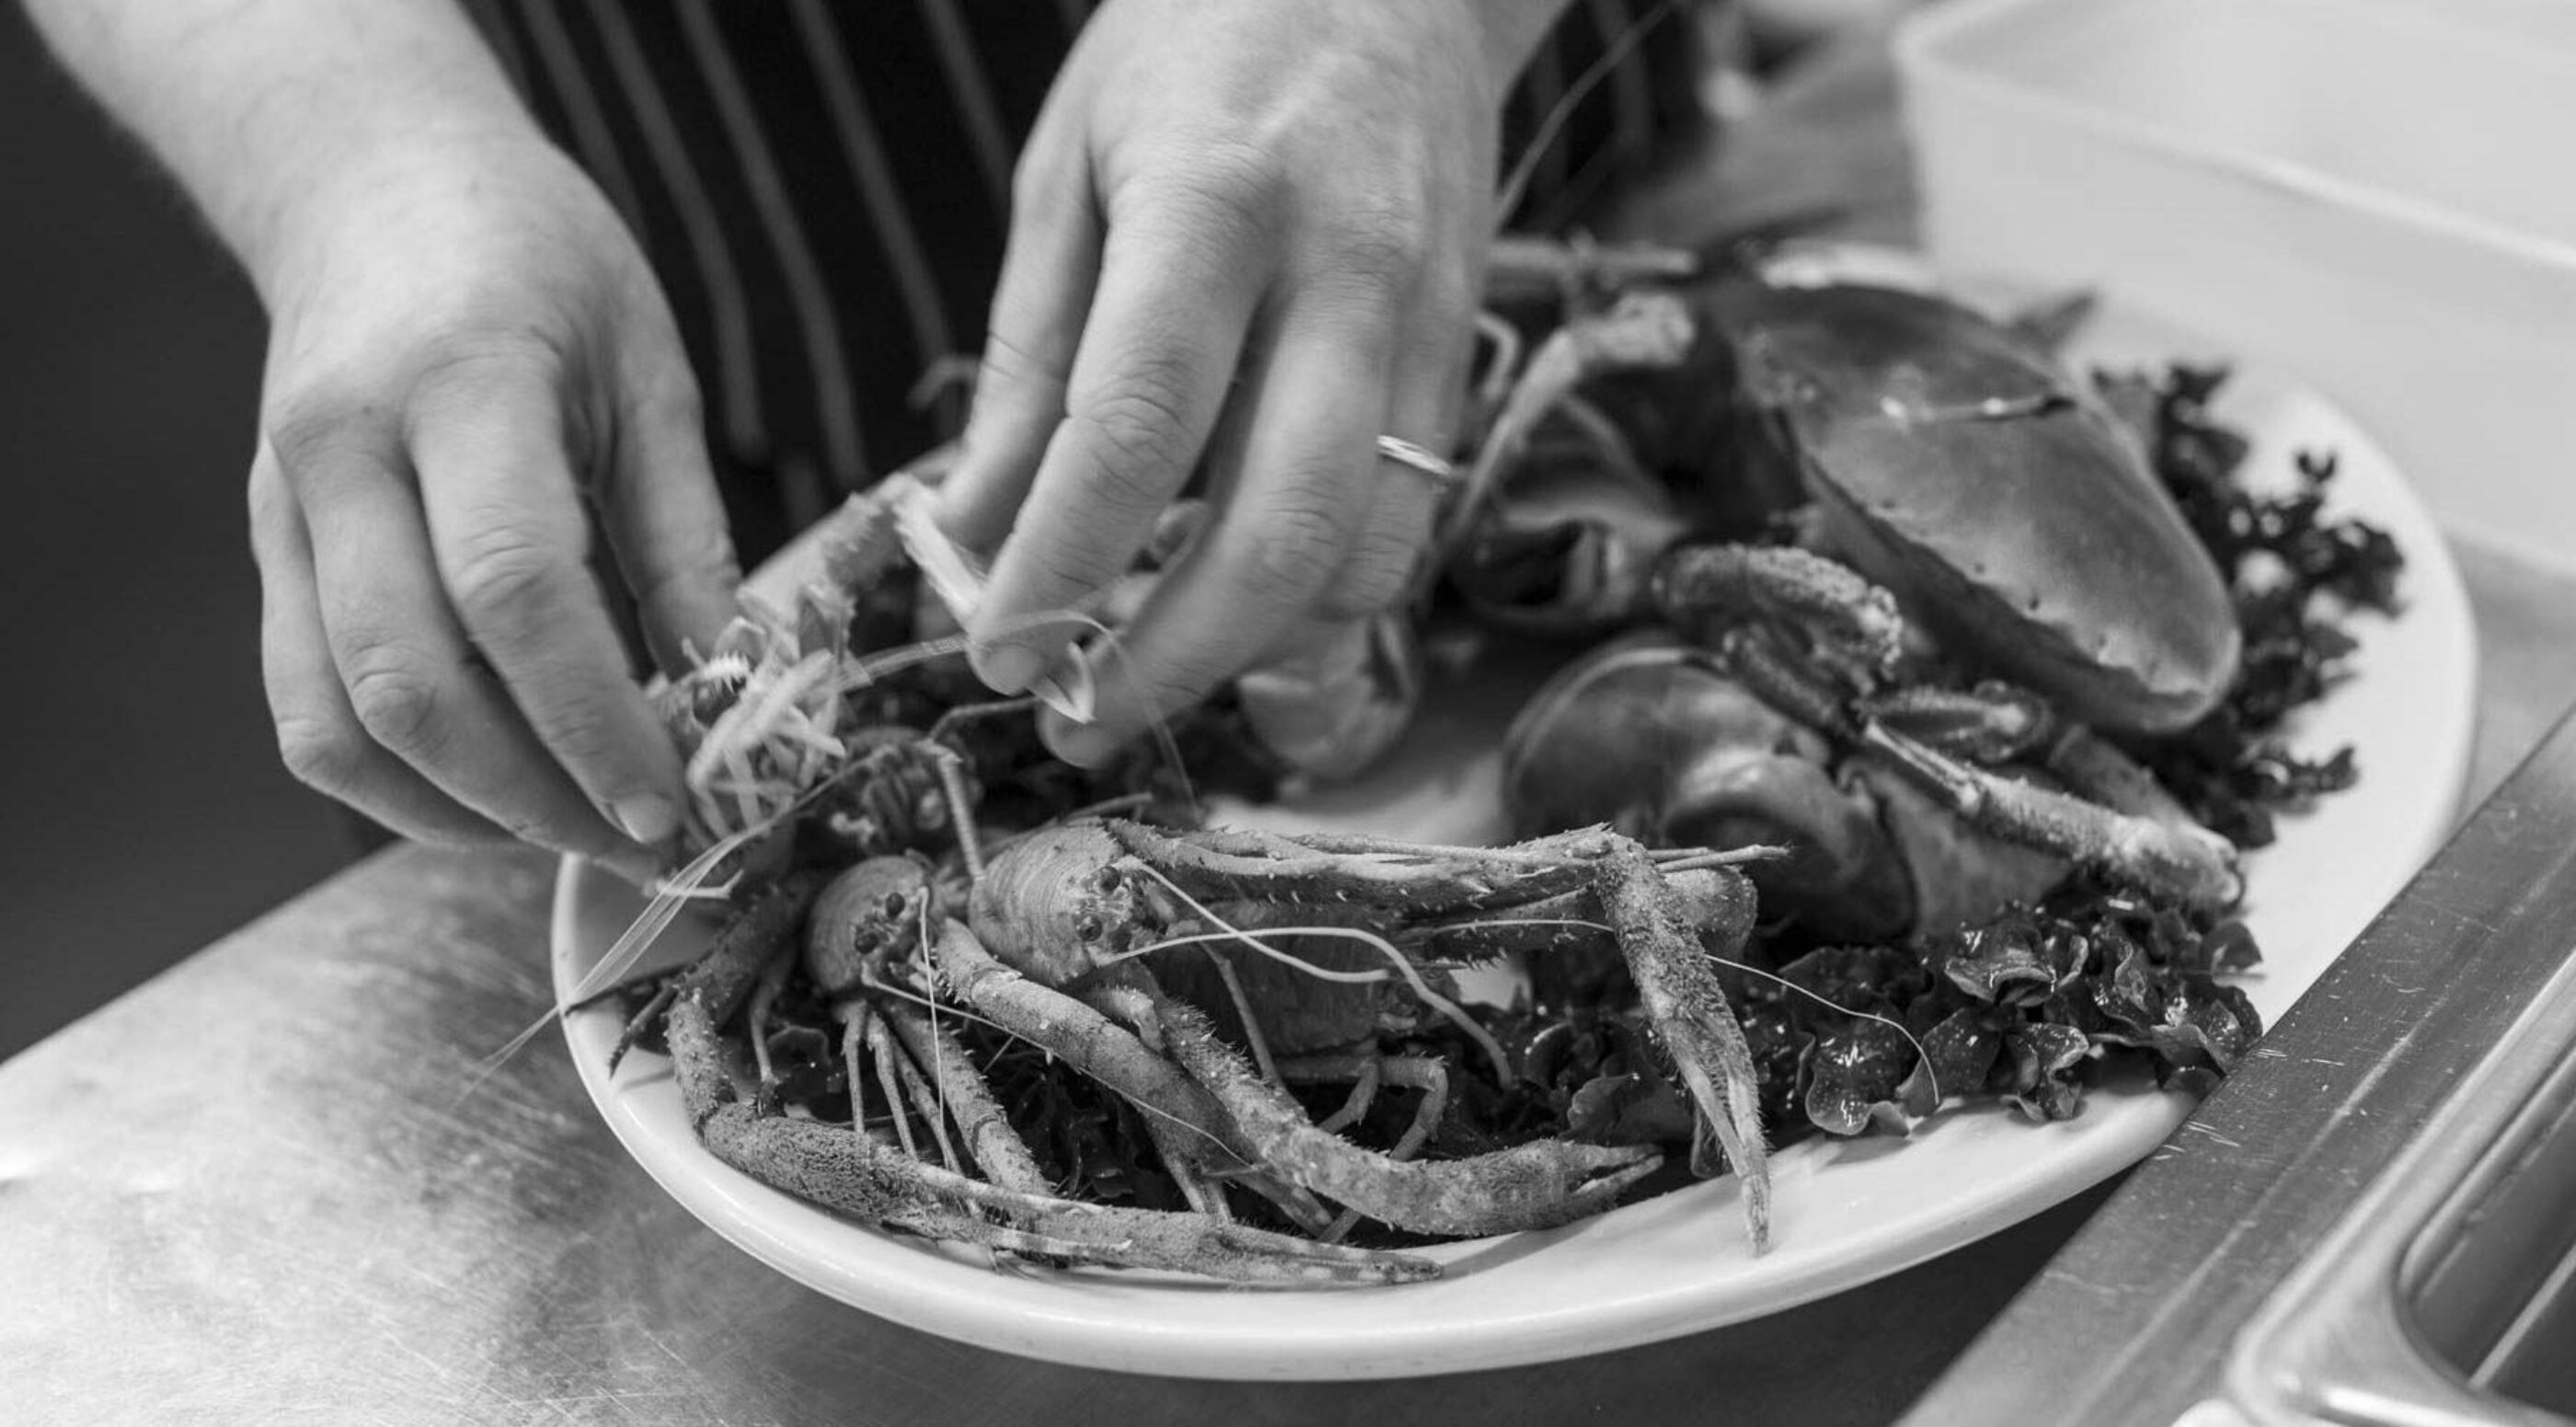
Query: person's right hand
[{"x": 468, "y": 360}]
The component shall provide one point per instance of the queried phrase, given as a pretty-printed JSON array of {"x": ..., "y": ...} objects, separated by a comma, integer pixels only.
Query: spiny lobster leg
[
  {"x": 959, "y": 1088},
  {"x": 1713, "y": 900},
  {"x": 1678, "y": 984},
  {"x": 1099, "y": 1048},
  {"x": 1369, "y": 1070},
  {"x": 2187, "y": 861},
  {"x": 1419, "y": 1072},
  {"x": 725, "y": 975},
  {"x": 1408, "y": 880},
  {"x": 1532, "y": 1186},
  {"x": 862, "y": 1178}
]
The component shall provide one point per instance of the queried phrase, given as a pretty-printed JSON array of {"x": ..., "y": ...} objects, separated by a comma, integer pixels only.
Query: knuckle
[
  {"x": 1376, "y": 576},
  {"x": 501, "y": 578},
  {"x": 1380, "y": 249},
  {"x": 270, "y": 505},
  {"x": 1076, "y": 567},
  {"x": 395, "y": 697},
  {"x": 673, "y": 402},
  {"x": 1300, "y": 545},
  {"x": 1227, "y": 190},
  {"x": 478, "y": 356},
  {"x": 1450, "y": 302},
  {"x": 580, "y": 731},
  {"x": 312, "y": 428},
  {"x": 1006, "y": 364},
  {"x": 462, "y": 371},
  {"x": 708, "y": 555},
  {"x": 1044, "y": 187},
  {"x": 322, "y": 754},
  {"x": 1138, "y": 423},
  {"x": 1176, "y": 679}
]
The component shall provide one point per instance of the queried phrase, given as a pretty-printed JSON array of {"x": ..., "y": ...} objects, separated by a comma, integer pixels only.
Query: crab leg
[
  {"x": 2189, "y": 862},
  {"x": 1998, "y": 723}
]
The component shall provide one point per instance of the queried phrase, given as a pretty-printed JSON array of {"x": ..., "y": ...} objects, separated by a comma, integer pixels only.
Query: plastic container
[{"x": 2378, "y": 196}]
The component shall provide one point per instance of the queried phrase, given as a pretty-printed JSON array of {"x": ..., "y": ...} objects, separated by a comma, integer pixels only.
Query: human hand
[
  {"x": 465, "y": 346},
  {"x": 1251, "y": 232}
]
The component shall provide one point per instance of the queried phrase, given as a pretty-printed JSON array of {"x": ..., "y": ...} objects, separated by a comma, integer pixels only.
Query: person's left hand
[{"x": 1251, "y": 232}]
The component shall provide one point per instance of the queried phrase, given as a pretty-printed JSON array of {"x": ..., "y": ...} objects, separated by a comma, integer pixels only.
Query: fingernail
[
  {"x": 1084, "y": 745},
  {"x": 649, "y": 818},
  {"x": 1009, "y": 668}
]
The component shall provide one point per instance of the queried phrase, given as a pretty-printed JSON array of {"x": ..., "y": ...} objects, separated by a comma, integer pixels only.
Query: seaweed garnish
[{"x": 2296, "y": 572}]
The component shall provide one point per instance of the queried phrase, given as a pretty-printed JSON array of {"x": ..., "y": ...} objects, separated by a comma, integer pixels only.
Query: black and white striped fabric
[{"x": 822, "y": 186}]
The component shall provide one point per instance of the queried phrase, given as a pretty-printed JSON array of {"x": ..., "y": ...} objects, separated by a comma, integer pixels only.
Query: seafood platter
[{"x": 1862, "y": 759}]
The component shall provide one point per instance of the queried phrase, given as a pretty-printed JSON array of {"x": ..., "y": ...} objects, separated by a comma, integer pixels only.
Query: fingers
[
  {"x": 1428, "y": 386},
  {"x": 418, "y": 690},
  {"x": 319, "y": 735},
  {"x": 1164, "y": 333},
  {"x": 1049, "y": 268},
  {"x": 661, "y": 514},
  {"x": 1428, "y": 395},
  {"x": 1292, "y": 513},
  {"x": 508, "y": 536}
]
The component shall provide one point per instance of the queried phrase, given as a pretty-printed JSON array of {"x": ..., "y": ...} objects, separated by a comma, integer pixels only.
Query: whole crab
[{"x": 1986, "y": 571}]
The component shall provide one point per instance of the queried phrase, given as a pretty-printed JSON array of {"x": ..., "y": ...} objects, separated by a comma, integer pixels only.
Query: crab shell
[
  {"x": 1954, "y": 461},
  {"x": 1655, "y": 738}
]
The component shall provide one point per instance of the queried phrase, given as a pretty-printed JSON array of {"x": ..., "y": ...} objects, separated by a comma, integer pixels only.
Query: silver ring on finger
[{"x": 1442, "y": 472}]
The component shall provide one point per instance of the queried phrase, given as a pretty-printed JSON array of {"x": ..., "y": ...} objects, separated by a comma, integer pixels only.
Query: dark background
[{"x": 145, "y": 812}]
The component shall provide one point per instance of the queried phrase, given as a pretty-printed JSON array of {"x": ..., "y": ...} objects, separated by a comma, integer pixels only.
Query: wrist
[
  {"x": 376, "y": 188},
  {"x": 273, "y": 114}
]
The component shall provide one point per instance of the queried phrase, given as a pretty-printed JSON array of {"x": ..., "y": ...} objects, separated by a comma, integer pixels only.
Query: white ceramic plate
[{"x": 1846, "y": 1211}]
